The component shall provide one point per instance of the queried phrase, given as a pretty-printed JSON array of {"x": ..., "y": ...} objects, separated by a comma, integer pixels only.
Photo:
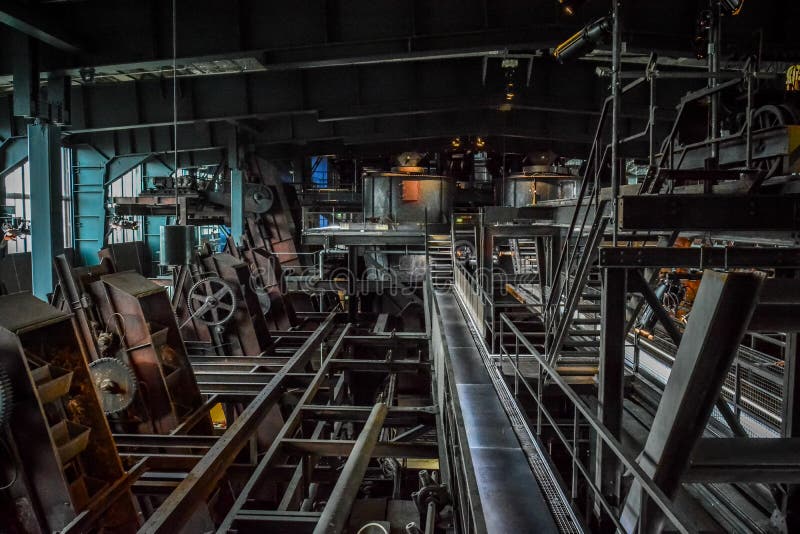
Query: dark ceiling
[{"x": 323, "y": 76}]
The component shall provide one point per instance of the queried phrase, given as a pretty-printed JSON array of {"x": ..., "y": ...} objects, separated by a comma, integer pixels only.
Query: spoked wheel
[
  {"x": 212, "y": 301},
  {"x": 764, "y": 118}
]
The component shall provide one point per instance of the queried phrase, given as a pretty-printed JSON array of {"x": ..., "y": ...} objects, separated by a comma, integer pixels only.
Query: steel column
[
  {"x": 791, "y": 422},
  {"x": 47, "y": 226},
  {"x": 88, "y": 202},
  {"x": 611, "y": 387},
  {"x": 237, "y": 205},
  {"x": 616, "y": 104}
]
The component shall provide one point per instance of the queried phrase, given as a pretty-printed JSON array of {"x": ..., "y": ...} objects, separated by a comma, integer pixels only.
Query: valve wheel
[{"x": 212, "y": 301}]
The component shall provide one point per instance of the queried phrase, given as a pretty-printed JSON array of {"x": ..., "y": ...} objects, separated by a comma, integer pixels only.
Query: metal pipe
[
  {"x": 715, "y": 34},
  {"x": 430, "y": 518},
  {"x": 337, "y": 509},
  {"x": 615, "y": 116}
]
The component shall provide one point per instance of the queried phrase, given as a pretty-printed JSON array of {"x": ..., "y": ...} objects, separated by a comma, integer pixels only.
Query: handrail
[
  {"x": 649, "y": 183},
  {"x": 676, "y": 517}
]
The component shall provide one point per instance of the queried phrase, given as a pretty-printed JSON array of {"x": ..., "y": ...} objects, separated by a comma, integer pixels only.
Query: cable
[
  {"x": 121, "y": 323},
  {"x": 16, "y": 469}
]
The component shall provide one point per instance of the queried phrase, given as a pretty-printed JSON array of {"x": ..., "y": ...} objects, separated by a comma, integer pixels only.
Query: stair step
[
  {"x": 585, "y": 320},
  {"x": 575, "y": 361},
  {"x": 578, "y": 332},
  {"x": 578, "y": 353},
  {"x": 581, "y": 343},
  {"x": 582, "y": 370},
  {"x": 580, "y": 380},
  {"x": 588, "y": 307}
]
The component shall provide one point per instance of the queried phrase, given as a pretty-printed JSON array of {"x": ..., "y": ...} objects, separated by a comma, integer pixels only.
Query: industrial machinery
[
  {"x": 485, "y": 318},
  {"x": 544, "y": 179},
  {"x": 136, "y": 353},
  {"x": 59, "y": 456},
  {"x": 216, "y": 301}
]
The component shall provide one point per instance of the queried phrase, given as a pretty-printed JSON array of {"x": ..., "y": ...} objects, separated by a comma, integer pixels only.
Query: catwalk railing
[{"x": 582, "y": 415}]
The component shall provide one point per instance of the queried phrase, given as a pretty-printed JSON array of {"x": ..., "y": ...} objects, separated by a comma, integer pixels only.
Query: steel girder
[{"x": 720, "y": 316}]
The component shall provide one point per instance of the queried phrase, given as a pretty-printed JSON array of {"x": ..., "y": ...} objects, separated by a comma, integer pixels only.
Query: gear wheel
[
  {"x": 115, "y": 383},
  {"x": 259, "y": 198},
  {"x": 6, "y": 398},
  {"x": 212, "y": 301}
]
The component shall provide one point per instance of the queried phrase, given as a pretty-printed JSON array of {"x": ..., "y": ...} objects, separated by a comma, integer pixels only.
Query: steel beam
[
  {"x": 343, "y": 447},
  {"x": 344, "y": 493},
  {"x": 293, "y": 421},
  {"x": 709, "y": 212},
  {"x": 721, "y": 313},
  {"x": 13, "y": 153},
  {"x": 25, "y": 20},
  {"x": 202, "y": 479},
  {"x": 745, "y": 460},
  {"x": 700, "y": 257}
]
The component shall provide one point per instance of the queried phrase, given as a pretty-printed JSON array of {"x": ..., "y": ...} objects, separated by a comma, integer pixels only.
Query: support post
[
  {"x": 616, "y": 102},
  {"x": 791, "y": 423},
  {"x": 352, "y": 283},
  {"x": 608, "y": 469},
  {"x": 89, "y": 203},
  {"x": 47, "y": 224},
  {"x": 26, "y": 76},
  {"x": 720, "y": 316},
  {"x": 237, "y": 188},
  {"x": 237, "y": 205}
]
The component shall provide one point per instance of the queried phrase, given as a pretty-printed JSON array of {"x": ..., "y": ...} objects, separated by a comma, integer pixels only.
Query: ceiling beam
[{"x": 30, "y": 22}]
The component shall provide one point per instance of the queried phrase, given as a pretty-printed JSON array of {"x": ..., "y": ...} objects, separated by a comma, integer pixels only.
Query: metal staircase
[
  {"x": 525, "y": 257},
  {"x": 572, "y": 318},
  {"x": 440, "y": 260}
]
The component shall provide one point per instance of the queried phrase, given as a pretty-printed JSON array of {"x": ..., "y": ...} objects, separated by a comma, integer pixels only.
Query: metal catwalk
[{"x": 503, "y": 491}]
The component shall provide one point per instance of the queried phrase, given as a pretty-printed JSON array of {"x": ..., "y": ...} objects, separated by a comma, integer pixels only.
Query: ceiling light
[
  {"x": 584, "y": 41},
  {"x": 570, "y": 6},
  {"x": 732, "y": 7}
]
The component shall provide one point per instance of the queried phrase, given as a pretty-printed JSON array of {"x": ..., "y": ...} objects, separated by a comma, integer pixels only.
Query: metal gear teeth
[
  {"x": 6, "y": 398},
  {"x": 134, "y": 382}
]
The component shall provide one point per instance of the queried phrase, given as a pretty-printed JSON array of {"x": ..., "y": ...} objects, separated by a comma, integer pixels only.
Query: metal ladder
[{"x": 440, "y": 260}]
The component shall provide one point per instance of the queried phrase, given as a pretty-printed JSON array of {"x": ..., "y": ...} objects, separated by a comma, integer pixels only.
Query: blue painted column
[
  {"x": 237, "y": 187},
  {"x": 237, "y": 205},
  {"x": 88, "y": 204},
  {"x": 47, "y": 227}
]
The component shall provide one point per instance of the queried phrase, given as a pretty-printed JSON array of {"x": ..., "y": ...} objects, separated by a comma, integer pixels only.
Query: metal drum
[
  {"x": 178, "y": 244},
  {"x": 407, "y": 198},
  {"x": 521, "y": 190}
]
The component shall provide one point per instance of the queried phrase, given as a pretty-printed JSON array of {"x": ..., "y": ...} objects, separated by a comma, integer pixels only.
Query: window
[
  {"x": 129, "y": 185},
  {"x": 18, "y": 197},
  {"x": 66, "y": 195}
]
